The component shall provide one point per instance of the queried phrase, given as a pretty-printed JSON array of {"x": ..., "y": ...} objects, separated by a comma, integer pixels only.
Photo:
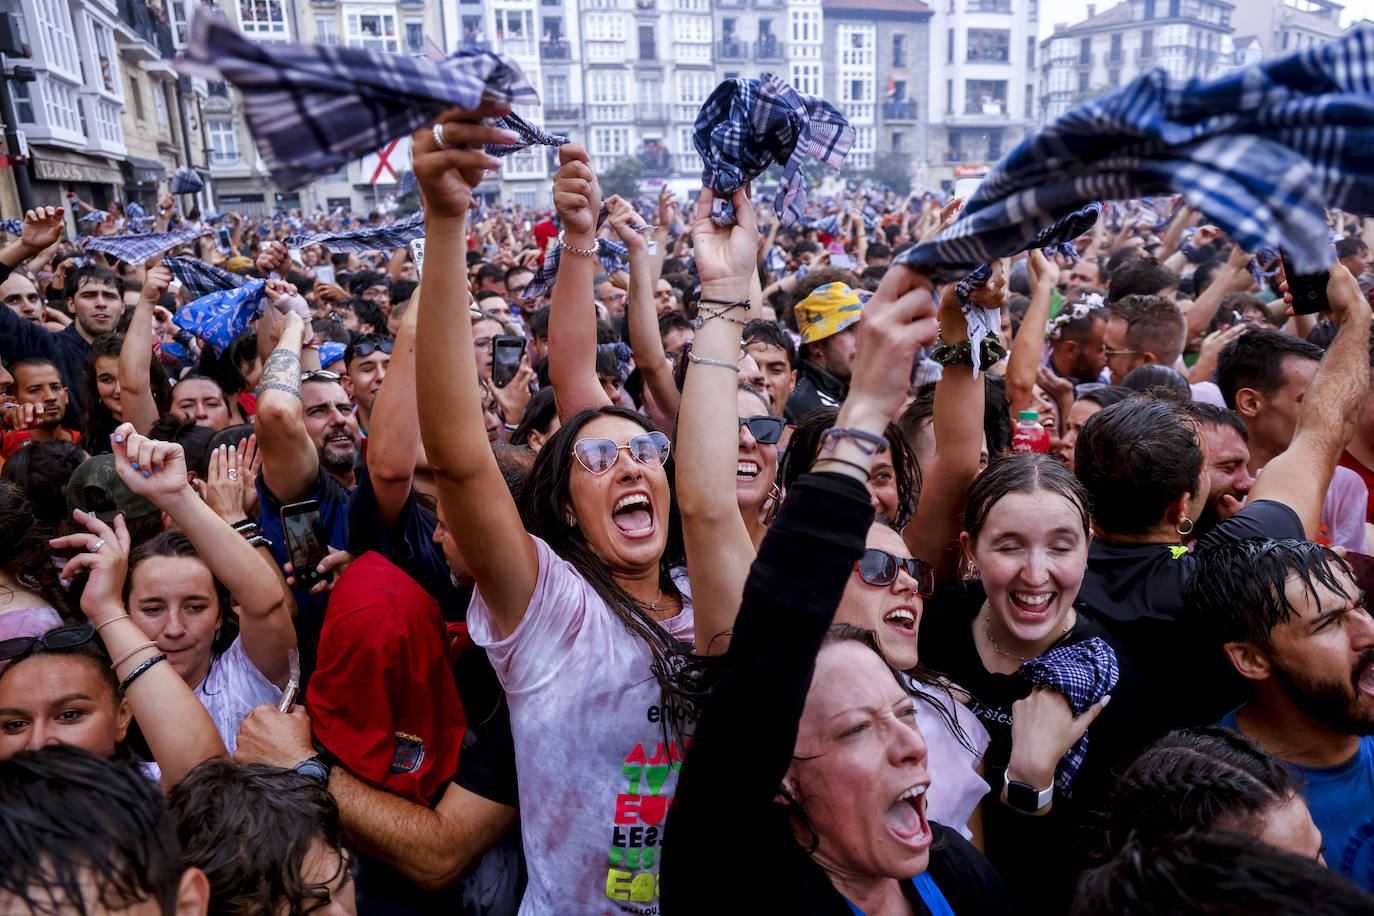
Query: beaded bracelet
[
  {"x": 584, "y": 252},
  {"x": 133, "y": 675},
  {"x": 704, "y": 313},
  {"x": 692, "y": 357},
  {"x": 961, "y": 353},
  {"x": 868, "y": 443}
]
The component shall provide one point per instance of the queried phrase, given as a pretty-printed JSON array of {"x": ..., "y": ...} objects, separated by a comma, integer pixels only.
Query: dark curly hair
[
  {"x": 249, "y": 827},
  {"x": 24, "y": 552},
  {"x": 806, "y": 444}
]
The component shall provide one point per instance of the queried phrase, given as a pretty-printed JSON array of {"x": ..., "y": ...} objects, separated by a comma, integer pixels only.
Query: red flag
[{"x": 891, "y": 89}]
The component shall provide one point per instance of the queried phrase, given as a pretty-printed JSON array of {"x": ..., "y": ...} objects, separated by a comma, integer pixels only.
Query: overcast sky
[{"x": 1052, "y": 11}]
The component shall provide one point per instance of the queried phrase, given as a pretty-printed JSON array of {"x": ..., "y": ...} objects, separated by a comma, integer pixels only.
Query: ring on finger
[
  {"x": 95, "y": 548},
  {"x": 232, "y": 474},
  {"x": 439, "y": 136}
]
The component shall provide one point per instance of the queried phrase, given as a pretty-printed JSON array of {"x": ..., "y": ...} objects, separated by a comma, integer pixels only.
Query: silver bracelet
[
  {"x": 692, "y": 357},
  {"x": 585, "y": 252}
]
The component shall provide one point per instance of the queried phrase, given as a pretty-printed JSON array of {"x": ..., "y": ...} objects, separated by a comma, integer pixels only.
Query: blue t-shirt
[{"x": 1341, "y": 799}]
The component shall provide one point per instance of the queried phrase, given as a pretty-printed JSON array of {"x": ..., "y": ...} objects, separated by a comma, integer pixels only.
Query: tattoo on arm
[{"x": 281, "y": 372}]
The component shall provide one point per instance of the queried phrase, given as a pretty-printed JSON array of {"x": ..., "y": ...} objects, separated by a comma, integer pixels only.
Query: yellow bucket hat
[{"x": 827, "y": 311}]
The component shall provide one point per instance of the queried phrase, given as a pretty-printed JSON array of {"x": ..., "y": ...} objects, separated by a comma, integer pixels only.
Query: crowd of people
[{"x": 364, "y": 609}]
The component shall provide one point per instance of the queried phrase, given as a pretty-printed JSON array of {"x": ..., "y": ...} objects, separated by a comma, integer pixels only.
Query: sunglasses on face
[
  {"x": 368, "y": 347},
  {"x": 599, "y": 455},
  {"x": 879, "y": 568},
  {"x": 57, "y": 638},
  {"x": 765, "y": 429}
]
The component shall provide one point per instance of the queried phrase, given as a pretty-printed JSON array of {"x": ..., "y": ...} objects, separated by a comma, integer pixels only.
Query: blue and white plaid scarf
[
  {"x": 202, "y": 279},
  {"x": 185, "y": 180},
  {"x": 746, "y": 125},
  {"x": 1083, "y": 672},
  {"x": 137, "y": 248},
  {"x": 221, "y": 316},
  {"x": 612, "y": 254},
  {"x": 1262, "y": 152},
  {"x": 365, "y": 238},
  {"x": 315, "y": 108}
]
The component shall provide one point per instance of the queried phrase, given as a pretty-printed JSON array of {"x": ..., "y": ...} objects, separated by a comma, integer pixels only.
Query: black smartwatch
[
  {"x": 318, "y": 770},
  {"x": 1025, "y": 797}
]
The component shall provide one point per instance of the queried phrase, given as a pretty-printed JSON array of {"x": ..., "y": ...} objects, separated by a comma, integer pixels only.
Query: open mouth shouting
[
  {"x": 903, "y": 619},
  {"x": 747, "y": 469},
  {"x": 906, "y": 818},
  {"x": 633, "y": 515},
  {"x": 1032, "y": 607}
]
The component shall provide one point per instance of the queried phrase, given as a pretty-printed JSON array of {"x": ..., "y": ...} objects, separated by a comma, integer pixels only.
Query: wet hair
[
  {"x": 402, "y": 290},
  {"x": 805, "y": 445},
  {"x": 1107, "y": 396},
  {"x": 1136, "y": 458},
  {"x": 1153, "y": 325},
  {"x": 1255, "y": 360},
  {"x": 1195, "y": 780},
  {"x": 1026, "y": 472},
  {"x": 1142, "y": 277},
  {"x": 176, "y": 545},
  {"x": 515, "y": 463},
  {"x": 364, "y": 280},
  {"x": 368, "y": 312},
  {"x": 84, "y": 834},
  {"x": 100, "y": 422},
  {"x": 379, "y": 337},
  {"x": 1150, "y": 376},
  {"x": 772, "y": 334},
  {"x": 1217, "y": 873},
  {"x": 607, "y": 363},
  {"x": 96, "y": 274},
  {"x": 544, "y": 503},
  {"x": 1349, "y": 246},
  {"x": 1237, "y": 593},
  {"x": 230, "y": 435},
  {"x": 24, "y": 549},
  {"x": 489, "y": 273},
  {"x": 1212, "y": 415},
  {"x": 249, "y": 827},
  {"x": 539, "y": 415}
]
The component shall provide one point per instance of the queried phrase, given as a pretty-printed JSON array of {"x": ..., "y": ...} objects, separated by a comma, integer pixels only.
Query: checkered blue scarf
[
  {"x": 528, "y": 133},
  {"x": 315, "y": 108},
  {"x": 135, "y": 249},
  {"x": 1083, "y": 672},
  {"x": 612, "y": 254},
  {"x": 1262, "y": 152},
  {"x": 365, "y": 238},
  {"x": 185, "y": 180},
  {"x": 202, "y": 279},
  {"x": 747, "y": 125},
  {"x": 12, "y": 226},
  {"x": 221, "y": 316}
]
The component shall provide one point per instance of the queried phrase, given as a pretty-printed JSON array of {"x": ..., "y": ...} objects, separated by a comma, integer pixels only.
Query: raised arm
[
  {"x": 1331, "y": 407},
  {"x": 176, "y": 725},
  {"x": 645, "y": 341},
  {"x": 933, "y": 535},
  {"x": 572, "y": 307},
  {"x": 1029, "y": 343},
  {"x": 290, "y": 462},
  {"x": 157, "y": 471},
  {"x": 472, "y": 493},
  {"x": 1232, "y": 277},
  {"x": 394, "y": 440},
  {"x": 136, "y": 353},
  {"x": 719, "y": 548}
]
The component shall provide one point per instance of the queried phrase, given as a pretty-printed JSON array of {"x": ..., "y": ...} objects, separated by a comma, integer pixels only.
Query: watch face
[{"x": 1022, "y": 796}]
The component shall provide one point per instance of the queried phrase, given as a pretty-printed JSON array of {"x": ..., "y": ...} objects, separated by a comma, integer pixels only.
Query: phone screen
[
  {"x": 307, "y": 543},
  {"x": 1309, "y": 290},
  {"x": 843, "y": 261},
  {"x": 324, "y": 273},
  {"x": 224, "y": 239},
  {"x": 507, "y": 351}
]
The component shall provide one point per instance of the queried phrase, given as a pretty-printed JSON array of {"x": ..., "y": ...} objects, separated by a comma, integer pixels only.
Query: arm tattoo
[{"x": 281, "y": 372}]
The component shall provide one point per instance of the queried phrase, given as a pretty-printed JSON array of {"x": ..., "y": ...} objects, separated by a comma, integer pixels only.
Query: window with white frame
[
  {"x": 526, "y": 199},
  {"x": 326, "y": 30},
  {"x": 611, "y": 142},
  {"x": 557, "y": 92},
  {"x": 59, "y": 104},
  {"x": 415, "y": 36},
  {"x": 608, "y": 88},
  {"x": 160, "y": 103},
  {"x": 806, "y": 25},
  {"x": 692, "y": 88},
  {"x": 692, "y": 29},
  {"x": 224, "y": 144},
  {"x": 856, "y": 45},
  {"x": 604, "y": 27},
  {"x": 692, "y": 6},
  {"x": 263, "y": 17},
  {"x": 806, "y": 78},
  {"x": 181, "y": 22},
  {"x": 107, "y": 67},
  {"x": 373, "y": 29},
  {"x": 58, "y": 37}
]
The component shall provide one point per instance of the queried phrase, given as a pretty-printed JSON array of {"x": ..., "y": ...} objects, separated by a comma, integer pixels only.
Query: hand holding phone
[
  {"x": 307, "y": 543},
  {"x": 506, "y": 352},
  {"x": 1308, "y": 290}
]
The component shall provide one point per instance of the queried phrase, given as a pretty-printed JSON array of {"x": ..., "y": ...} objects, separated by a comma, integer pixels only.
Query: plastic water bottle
[{"x": 1030, "y": 436}]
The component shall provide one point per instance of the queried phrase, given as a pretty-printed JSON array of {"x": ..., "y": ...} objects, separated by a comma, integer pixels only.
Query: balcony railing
[
  {"x": 732, "y": 49},
  {"x": 657, "y": 163},
  {"x": 651, "y": 113},
  {"x": 516, "y": 47},
  {"x": 768, "y": 49},
  {"x": 555, "y": 50},
  {"x": 562, "y": 112},
  {"x": 996, "y": 108},
  {"x": 146, "y": 24},
  {"x": 902, "y": 110}
]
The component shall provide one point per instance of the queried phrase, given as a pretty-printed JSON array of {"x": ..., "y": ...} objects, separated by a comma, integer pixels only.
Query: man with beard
[
  {"x": 1226, "y": 457},
  {"x": 1293, "y": 623},
  {"x": 41, "y": 400},
  {"x": 307, "y": 433},
  {"x": 1078, "y": 348},
  {"x": 95, "y": 298}
]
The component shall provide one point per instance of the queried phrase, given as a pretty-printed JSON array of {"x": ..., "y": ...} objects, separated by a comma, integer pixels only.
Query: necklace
[
  {"x": 987, "y": 618},
  {"x": 653, "y": 605}
]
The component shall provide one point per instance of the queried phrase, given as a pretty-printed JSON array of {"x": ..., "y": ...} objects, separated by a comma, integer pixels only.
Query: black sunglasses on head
[
  {"x": 765, "y": 429},
  {"x": 368, "y": 347},
  {"x": 56, "y": 638},
  {"x": 879, "y": 568}
]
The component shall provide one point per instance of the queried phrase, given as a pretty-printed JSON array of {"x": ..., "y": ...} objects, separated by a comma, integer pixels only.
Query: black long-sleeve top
[{"x": 728, "y": 847}]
